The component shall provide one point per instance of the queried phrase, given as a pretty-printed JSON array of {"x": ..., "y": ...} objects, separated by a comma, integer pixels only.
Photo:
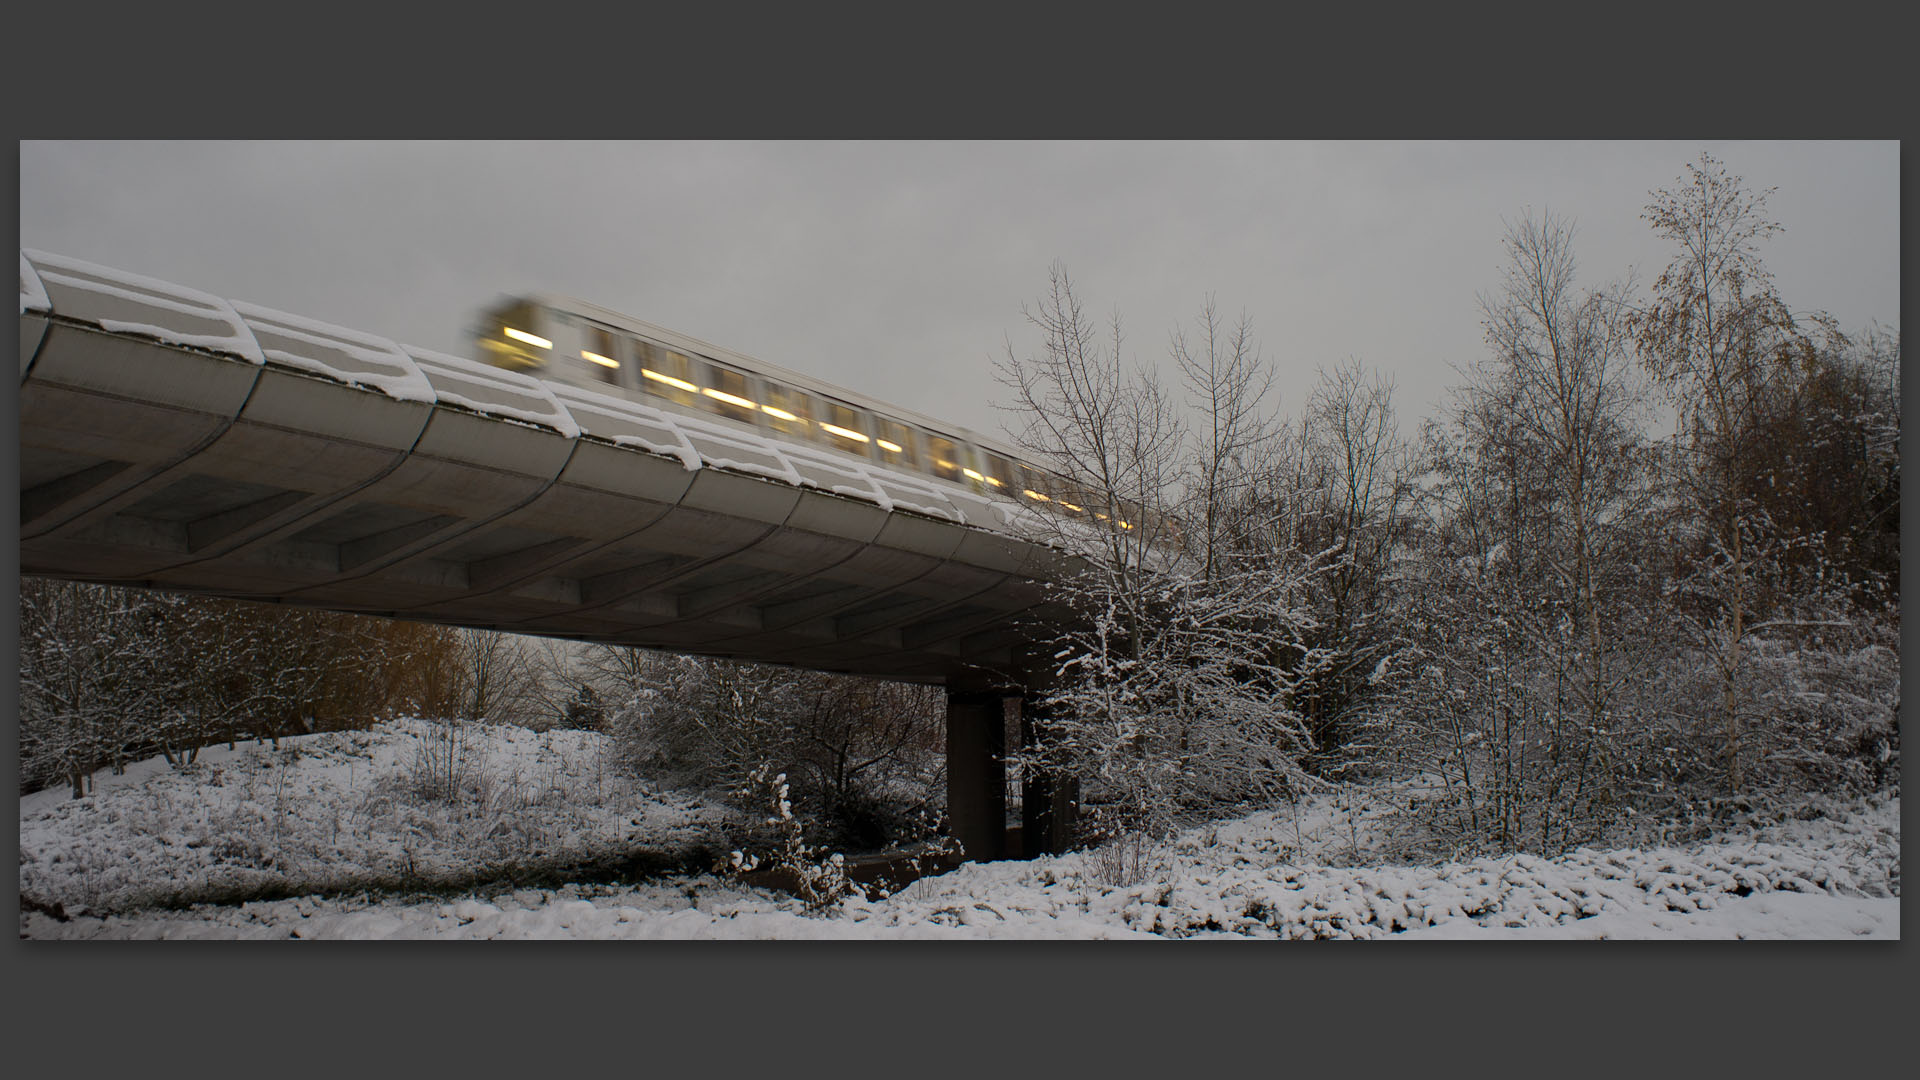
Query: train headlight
[{"x": 534, "y": 340}]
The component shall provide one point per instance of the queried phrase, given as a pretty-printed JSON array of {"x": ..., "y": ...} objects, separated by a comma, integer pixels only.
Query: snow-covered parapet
[
  {"x": 906, "y": 491},
  {"x": 124, "y": 303},
  {"x": 120, "y": 302},
  {"x": 624, "y": 423},
  {"x": 700, "y": 443},
  {"x": 727, "y": 447},
  {"x": 348, "y": 356},
  {"x": 492, "y": 391},
  {"x": 33, "y": 295}
]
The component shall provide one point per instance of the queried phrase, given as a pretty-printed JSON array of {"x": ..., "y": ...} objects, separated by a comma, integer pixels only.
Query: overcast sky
[{"x": 899, "y": 268}]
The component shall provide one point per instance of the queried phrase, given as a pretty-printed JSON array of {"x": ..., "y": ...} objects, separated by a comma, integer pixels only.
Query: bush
[{"x": 863, "y": 757}]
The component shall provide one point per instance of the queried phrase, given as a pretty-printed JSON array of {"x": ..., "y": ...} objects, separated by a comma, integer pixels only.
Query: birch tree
[
  {"x": 1342, "y": 493},
  {"x": 1560, "y": 371},
  {"x": 1718, "y": 337}
]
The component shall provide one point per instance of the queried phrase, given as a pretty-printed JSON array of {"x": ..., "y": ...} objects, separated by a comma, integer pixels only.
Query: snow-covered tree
[
  {"x": 110, "y": 674},
  {"x": 1720, "y": 338},
  {"x": 84, "y": 690},
  {"x": 584, "y": 710},
  {"x": 1528, "y": 606},
  {"x": 1174, "y": 672},
  {"x": 1341, "y": 490}
]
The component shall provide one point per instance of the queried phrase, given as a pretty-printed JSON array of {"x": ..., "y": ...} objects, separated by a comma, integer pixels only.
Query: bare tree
[
  {"x": 1233, "y": 435},
  {"x": 1339, "y": 492},
  {"x": 497, "y": 678},
  {"x": 1561, "y": 374},
  {"x": 1112, "y": 432},
  {"x": 1719, "y": 337},
  {"x": 620, "y": 673},
  {"x": 1177, "y": 669}
]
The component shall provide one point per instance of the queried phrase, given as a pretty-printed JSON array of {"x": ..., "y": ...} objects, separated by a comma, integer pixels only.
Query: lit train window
[
  {"x": 726, "y": 394},
  {"x": 665, "y": 373},
  {"x": 600, "y": 357},
  {"x": 789, "y": 412},
  {"x": 1035, "y": 486},
  {"x": 970, "y": 463},
  {"x": 1072, "y": 497},
  {"x": 846, "y": 428},
  {"x": 999, "y": 474},
  {"x": 897, "y": 443},
  {"x": 943, "y": 457}
]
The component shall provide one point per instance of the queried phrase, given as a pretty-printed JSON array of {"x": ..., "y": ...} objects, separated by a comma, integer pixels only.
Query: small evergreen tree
[{"x": 584, "y": 711}]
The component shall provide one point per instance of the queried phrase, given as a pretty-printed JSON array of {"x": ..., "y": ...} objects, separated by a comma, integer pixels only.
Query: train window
[
  {"x": 1071, "y": 496},
  {"x": 1035, "y": 486},
  {"x": 600, "y": 357},
  {"x": 846, "y": 428},
  {"x": 897, "y": 444},
  {"x": 999, "y": 474},
  {"x": 726, "y": 394},
  {"x": 943, "y": 457},
  {"x": 970, "y": 460},
  {"x": 789, "y": 412},
  {"x": 665, "y": 373}
]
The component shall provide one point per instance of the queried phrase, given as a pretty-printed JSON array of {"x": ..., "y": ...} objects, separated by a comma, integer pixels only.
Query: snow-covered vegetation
[
  {"x": 409, "y": 804},
  {"x": 347, "y": 835},
  {"x": 1643, "y": 566}
]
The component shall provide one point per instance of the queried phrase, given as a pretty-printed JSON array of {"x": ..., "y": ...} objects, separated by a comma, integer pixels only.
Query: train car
[{"x": 571, "y": 341}]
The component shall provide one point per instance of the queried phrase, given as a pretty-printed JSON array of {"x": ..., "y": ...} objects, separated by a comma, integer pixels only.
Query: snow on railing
[
  {"x": 123, "y": 303},
  {"x": 33, "y": 295},
  {"x": 336, "y": 352},
  {"x": 493, "y": 391}
]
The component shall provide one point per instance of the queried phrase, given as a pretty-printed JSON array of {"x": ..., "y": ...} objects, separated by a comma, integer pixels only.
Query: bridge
[{"x": 171, "y": 439}]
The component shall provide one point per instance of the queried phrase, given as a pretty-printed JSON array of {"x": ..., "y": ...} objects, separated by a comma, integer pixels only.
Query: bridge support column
[
  {"x": 1050, "y": 801},
  {"x": 977, "y": 773}
]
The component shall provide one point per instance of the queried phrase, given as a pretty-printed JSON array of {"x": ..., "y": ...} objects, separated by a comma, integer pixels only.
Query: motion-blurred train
[{"x": 574, "y": 342}]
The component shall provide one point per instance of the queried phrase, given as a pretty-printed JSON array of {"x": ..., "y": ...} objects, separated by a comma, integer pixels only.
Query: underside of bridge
[{"x": 172, "y": 440}]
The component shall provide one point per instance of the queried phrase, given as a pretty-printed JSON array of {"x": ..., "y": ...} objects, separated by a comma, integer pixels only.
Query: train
[{"x": 571, "y": 341}]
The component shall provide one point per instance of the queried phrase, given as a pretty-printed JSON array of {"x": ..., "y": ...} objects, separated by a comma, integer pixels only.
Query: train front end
[{"x": 517, "y": 335}]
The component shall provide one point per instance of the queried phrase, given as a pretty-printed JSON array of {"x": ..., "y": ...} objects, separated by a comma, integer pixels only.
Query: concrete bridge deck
[{"x": 174, "y": 440}]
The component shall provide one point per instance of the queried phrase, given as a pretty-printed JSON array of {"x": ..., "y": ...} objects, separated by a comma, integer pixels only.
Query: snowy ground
[
  {"x": 408, "y": 804},
  {"x": 353, "y": 815}
]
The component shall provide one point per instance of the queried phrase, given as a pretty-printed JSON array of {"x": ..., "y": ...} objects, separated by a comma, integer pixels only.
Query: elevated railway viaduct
[{"x": 170, "y": 439}]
